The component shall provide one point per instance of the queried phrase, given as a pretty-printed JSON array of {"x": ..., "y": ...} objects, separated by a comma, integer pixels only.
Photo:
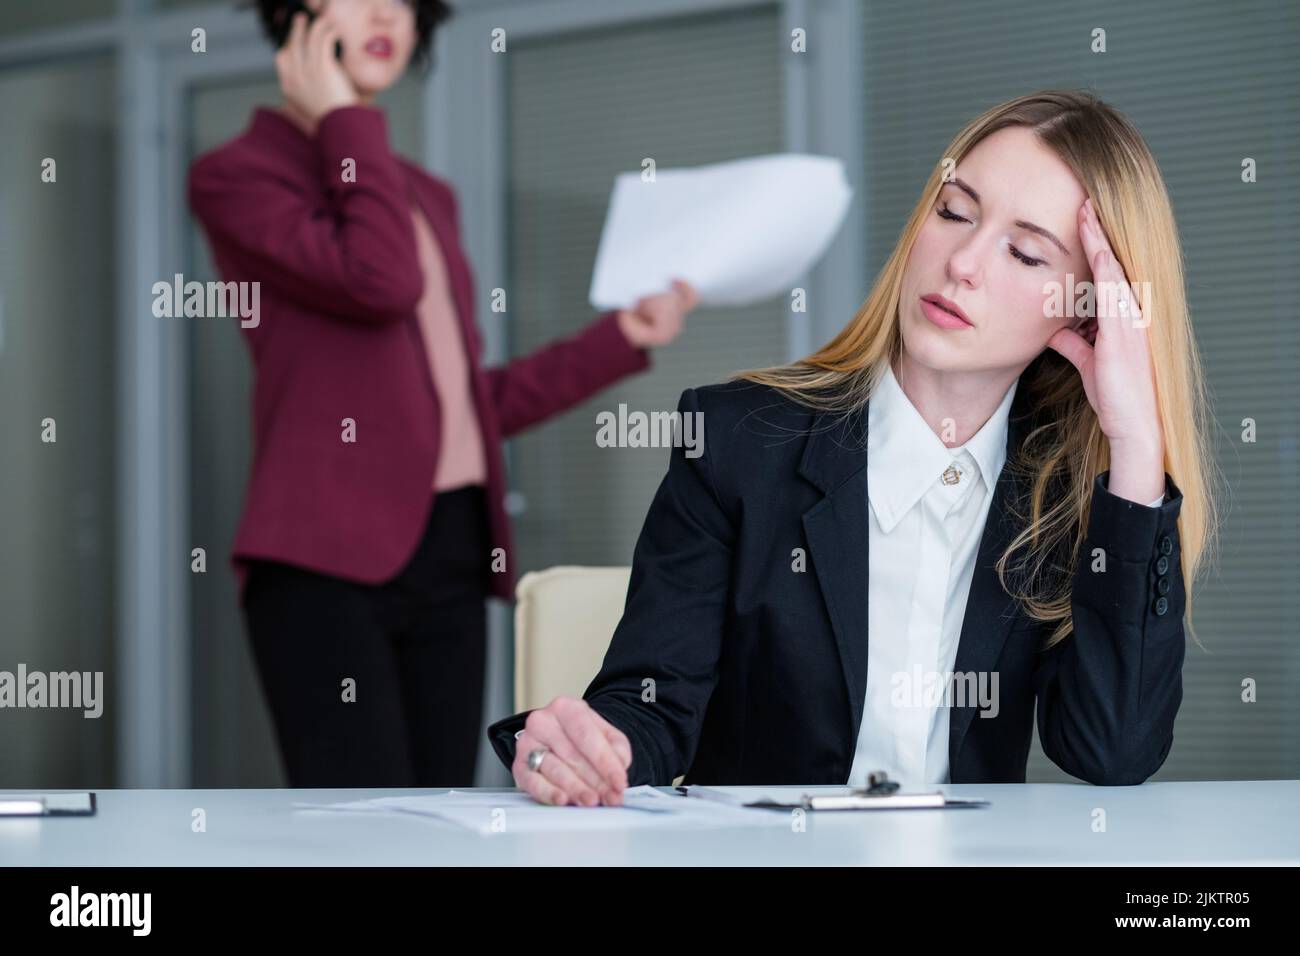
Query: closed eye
[{"x": 946, "y": 213}]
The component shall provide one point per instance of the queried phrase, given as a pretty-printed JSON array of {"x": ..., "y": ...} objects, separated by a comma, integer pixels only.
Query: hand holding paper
[{"x": 658, "y": 319}]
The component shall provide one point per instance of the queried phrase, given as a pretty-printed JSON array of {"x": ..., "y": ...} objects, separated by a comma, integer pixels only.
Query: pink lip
[
  {"x": 380, "y": 47},
  {"x": 941, "y": 311}
]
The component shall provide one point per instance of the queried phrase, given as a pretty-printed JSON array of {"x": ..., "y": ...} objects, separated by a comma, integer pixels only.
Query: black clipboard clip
[{"x": 878, "y": 785}]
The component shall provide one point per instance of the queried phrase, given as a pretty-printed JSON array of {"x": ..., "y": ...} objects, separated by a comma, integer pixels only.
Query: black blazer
[{"x": 760, "y": 670}]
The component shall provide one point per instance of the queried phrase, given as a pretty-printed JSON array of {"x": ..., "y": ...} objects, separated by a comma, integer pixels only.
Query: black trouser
[{"x": 414, "y": 649}]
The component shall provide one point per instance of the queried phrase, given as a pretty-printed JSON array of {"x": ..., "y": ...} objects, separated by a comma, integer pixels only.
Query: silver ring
[{"x": 535, "y": 758}]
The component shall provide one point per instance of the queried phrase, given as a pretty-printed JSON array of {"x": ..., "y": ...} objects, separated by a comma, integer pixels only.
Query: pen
[{"x": 707, "y": 793}]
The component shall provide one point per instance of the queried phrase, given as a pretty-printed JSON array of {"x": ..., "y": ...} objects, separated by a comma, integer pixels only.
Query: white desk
[{"x": 1161, "y": 823}]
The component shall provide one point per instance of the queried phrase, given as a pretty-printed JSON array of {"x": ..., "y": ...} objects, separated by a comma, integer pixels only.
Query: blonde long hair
[{"x": 1065, "y": 451}]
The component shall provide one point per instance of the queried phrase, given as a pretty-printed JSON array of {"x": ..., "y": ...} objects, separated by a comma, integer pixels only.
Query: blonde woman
[{"x": 984, "y": 502}]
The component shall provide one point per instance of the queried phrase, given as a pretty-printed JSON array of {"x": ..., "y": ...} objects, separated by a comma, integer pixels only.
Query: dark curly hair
[{"x": 428, "y": 15}]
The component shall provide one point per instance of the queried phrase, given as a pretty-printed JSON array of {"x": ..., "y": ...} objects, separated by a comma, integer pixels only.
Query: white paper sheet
[
  {"x": 739, "y": 231},
  {"x": 487, "y": 813}
]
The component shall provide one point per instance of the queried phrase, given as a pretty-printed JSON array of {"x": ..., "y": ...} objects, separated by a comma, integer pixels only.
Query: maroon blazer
[{"x": 338, "y": 338}]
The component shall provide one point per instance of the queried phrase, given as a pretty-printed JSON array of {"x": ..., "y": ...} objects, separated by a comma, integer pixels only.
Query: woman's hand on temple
[
  {"x": 658, "y": 319},
  {"x": 585, "y": 761},
  {"x": 1113, "y": 356},
  {"x": 311, "y": 77}
]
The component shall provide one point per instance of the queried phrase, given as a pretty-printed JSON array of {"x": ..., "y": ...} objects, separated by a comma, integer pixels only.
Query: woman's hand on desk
[
  {"x": 658, "y": 319},
  {"x": 586, "y": 757}
]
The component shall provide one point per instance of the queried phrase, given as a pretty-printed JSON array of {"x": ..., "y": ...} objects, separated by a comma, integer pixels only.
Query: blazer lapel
[{"x": 838, "y": 532}]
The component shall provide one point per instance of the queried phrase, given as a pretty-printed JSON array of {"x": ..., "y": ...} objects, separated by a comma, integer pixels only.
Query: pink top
[{"x": 461, "y": 460}]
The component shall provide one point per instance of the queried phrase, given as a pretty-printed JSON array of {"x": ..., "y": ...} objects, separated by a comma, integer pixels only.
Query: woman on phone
[
  {"x": 986, "y": 499},
  {"x": 373, "y": 526}
]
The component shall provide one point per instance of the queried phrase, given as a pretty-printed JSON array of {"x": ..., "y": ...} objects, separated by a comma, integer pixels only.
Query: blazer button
[
  {"x": 1166, "y": 544},
  {"x": 1162, "y": 584},
  {"x": 1162, "y": 605},
  {"x": 1162, "y": 565}
]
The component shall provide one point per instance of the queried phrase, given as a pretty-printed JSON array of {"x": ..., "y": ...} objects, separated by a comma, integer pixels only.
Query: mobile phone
[{"x": 284, "y": 21}]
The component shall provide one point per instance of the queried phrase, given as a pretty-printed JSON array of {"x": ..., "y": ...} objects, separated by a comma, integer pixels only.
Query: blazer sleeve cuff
[
  {"x": 359, "y": 133},
  {"x": 1130, "y": 530},
  {"x": 617, "y": 356},
  {"x": 502, "y": 736},
  {"x": 1140, "y": 581}
]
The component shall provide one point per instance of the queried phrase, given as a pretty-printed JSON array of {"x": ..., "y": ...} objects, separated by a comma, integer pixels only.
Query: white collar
[{"x": 905, "y": 456}]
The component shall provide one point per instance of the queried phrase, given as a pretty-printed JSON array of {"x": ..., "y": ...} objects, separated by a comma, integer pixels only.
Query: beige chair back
[{"x": 564, "y": 620}]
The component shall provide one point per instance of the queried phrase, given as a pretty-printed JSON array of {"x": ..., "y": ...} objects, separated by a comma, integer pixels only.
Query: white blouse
[{"x": 929, "y": 504}]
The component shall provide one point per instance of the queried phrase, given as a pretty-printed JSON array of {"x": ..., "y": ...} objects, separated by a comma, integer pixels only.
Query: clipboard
[
  {"x": 881, "y": 793},
  {"x": 859, "y": 800},
  {"x": 853, "y": 799},
  {"x": 78, "y": 804}
]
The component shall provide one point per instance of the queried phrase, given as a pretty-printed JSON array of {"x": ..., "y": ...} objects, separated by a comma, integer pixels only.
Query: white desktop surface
[{"x": 1177, "y": 823}]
